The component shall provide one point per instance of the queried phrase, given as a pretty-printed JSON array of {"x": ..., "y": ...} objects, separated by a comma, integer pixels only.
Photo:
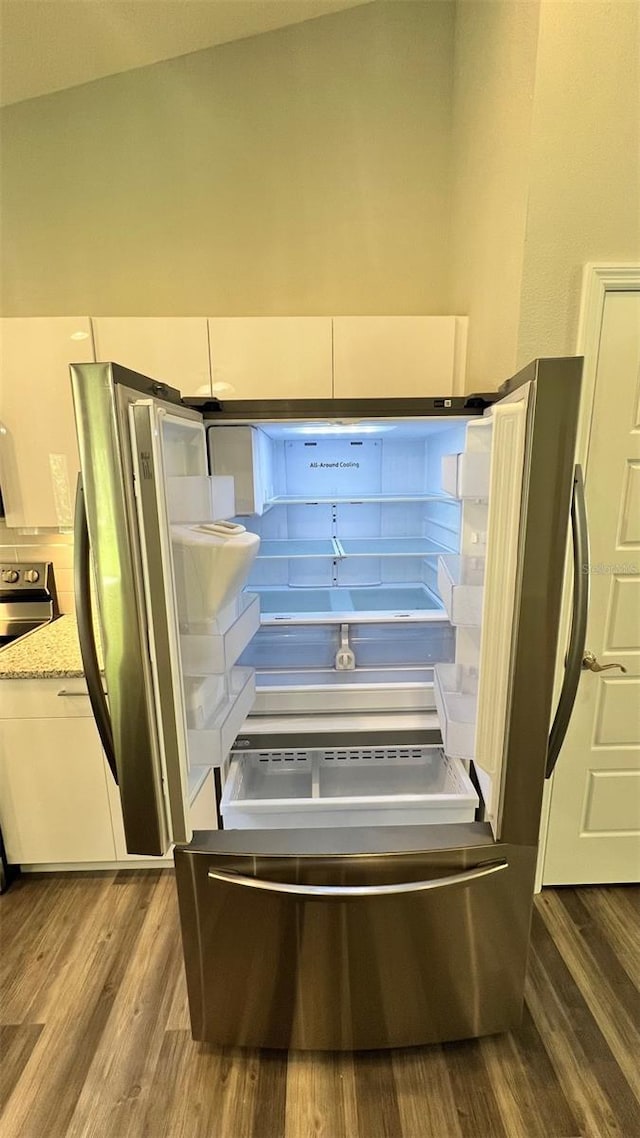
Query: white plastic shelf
[
  {"x": 352, "y": 499},
  {"x": 456, "y": 694},
  {"x": 460, "y": 584},
  {"x": 390, "y": 547},
  {"x": 466, "y": 475},
  {"x": 364, "y": 689},
  {"x": 346, "y": 787},
  {"x": 215, "y": 649},
  {"x": 377, "y": 603},
  {"x": 200, "y": 498},
  {"x": 298, "y": 547},
  {"x": 210, "y": 744}
]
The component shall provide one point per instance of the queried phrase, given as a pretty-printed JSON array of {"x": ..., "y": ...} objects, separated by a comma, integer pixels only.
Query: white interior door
[{"x": 594, "y": 822}]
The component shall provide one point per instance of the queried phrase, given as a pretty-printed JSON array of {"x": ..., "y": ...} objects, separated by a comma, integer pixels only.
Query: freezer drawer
[
  {"x": 364, "y": 948},
  {"x": 346, "y": 786}
]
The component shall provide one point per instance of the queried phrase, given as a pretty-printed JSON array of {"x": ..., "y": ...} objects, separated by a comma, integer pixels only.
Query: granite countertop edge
[{"x": 51, "y": 652}]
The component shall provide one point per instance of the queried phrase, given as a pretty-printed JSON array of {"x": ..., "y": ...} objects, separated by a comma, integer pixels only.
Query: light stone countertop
[{"x": 49, "y": 652}]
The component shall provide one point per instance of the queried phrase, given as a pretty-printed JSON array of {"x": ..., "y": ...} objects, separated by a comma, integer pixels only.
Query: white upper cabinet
[
  {"x": 172, "y": 349},
  {"x": 271, "y": 357},
  {"x": 388, "y": 357},
  {"x": 38, "y": 450}
]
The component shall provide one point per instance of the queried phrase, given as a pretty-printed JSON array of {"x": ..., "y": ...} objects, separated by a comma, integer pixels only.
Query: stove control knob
[
  {"x": 10, "y": 576},
  {"x": 32, "y": 576}
]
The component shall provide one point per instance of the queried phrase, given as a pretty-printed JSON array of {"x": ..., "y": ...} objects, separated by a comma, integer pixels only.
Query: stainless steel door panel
[
  {"x": 102, "y": 396},
  {"x": 363, "y": 950}
]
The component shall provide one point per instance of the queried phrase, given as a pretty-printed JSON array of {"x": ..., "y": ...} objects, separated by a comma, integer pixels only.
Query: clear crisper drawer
[
  {"x": 456, "y": 693},
  {"x": 216, "y": 649},
  {"x": 210, "y": 744},
  {"x": 346, "y": 787},
  {"x": 460, "y": 585}
]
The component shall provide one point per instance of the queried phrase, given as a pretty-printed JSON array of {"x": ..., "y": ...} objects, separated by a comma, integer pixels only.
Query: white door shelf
[
  {"x": 456, "y": 692},
  {"x": 216, "y": 651},
  {"x": 466, "y": 475},
  {"x": 200, "y": 498},
  {"x": 346, "y": 787},
  {"x": 210, "y": 744},
  {"x": 460, "y": 584}
]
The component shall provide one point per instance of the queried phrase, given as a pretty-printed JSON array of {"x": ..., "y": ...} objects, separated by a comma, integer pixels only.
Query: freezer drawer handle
[{"x": 345, "y": 892}]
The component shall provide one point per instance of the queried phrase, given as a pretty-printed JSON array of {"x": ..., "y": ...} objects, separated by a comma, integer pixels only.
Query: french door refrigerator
[{"x": 329, "y": 632}]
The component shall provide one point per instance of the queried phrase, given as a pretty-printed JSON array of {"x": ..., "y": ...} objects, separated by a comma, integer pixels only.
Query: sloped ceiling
[{"x": 48, "y": 45}]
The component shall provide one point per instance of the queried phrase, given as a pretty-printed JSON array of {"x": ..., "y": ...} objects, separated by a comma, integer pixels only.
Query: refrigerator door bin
[
  {"x": 219, "y": 644},
  {"x": 456, "y": 693},
  {"x": 460, "y": 584},
  {"x": 199, "y": 498},
  {"x": 346, "y": 787},
  {"x": 210, "y": 744},
  {"x": 466, "y": 475}
]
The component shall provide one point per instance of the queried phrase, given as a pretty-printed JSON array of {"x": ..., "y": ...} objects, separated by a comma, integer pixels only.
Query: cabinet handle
[{"x": 72, "y": 694}]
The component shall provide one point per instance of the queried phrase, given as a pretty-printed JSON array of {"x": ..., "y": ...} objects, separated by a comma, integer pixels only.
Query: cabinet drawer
[{"x": 45, "y": 699}]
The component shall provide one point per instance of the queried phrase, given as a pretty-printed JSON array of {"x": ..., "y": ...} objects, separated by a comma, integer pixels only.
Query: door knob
[{"x": 590, "y": 664}]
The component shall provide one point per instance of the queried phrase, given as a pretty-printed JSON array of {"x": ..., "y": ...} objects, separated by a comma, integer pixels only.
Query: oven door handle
[
  {"x": 346, "y": 892},
  {"x": 84, "y": 617}
]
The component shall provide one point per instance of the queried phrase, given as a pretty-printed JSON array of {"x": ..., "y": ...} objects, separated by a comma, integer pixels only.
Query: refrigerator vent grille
[{"x": 372, "y": 755}]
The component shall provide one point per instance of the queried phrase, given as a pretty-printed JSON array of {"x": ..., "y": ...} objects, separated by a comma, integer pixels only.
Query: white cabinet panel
[
  {"x": 172, "y": 349},
  {"x": 390, "y": 357},
  {"x": 54, "y": 805},
  {"x": 271, "y": 357},
  {"x": 38, "y": 452}
]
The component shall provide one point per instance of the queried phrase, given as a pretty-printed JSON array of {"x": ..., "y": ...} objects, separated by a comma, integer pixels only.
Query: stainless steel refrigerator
[{"x": 341, "y": 618}]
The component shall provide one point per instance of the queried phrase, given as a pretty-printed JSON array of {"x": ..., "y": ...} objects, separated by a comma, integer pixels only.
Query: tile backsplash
[{"x": 55, "y": 547}]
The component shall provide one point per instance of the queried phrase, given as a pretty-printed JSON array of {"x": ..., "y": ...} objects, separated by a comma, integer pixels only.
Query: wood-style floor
[{"x": 95, "y": 1038}]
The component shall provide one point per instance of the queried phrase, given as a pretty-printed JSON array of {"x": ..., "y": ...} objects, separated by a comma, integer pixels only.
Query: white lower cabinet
[{"x": 54, "y": 804}]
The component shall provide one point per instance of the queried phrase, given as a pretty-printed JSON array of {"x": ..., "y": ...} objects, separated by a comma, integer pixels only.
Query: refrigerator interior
[{"x": 363, "y": 609}]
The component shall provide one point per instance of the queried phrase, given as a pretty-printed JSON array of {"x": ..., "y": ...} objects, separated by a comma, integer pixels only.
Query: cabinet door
[
  {"x": 38, "y": 450},
  {"x": 172, "y": 349},
  {"x": 54, "y": 805},
  {"x": 397, "y": 356},
  {"x": 271, "y": 357}
]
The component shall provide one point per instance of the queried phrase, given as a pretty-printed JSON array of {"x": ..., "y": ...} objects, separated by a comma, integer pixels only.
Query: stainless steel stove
[{"x": 28, "y": 598}]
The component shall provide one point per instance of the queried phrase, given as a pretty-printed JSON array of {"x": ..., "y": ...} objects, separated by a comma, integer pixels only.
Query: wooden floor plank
[
  {"x": 426, "y": 1102},
  {"x": 376, "y": 1098},
  {"x": 478, "y": 1109},
  {"x": 113, "y": 1100},
  {"x": 99, "y": 1046},
  {"x": 46, "y": 1095},
  {"x": 612, "y": 999},
  {"x": 321, "y": 1095},
  {"x": 597, "y": 1090},
  {"x": 17, "y": 1041},
  {"x": 619, "y": 923}
]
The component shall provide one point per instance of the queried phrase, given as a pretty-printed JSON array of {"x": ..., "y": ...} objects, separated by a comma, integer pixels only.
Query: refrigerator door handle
[
  {"x": 84, "y": 617},
  {"x": 346, "y": 892},
  {"x": 580, "y": 609}
]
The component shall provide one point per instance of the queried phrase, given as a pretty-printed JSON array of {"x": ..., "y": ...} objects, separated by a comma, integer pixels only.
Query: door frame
[{"x": 598, "y": 279}]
